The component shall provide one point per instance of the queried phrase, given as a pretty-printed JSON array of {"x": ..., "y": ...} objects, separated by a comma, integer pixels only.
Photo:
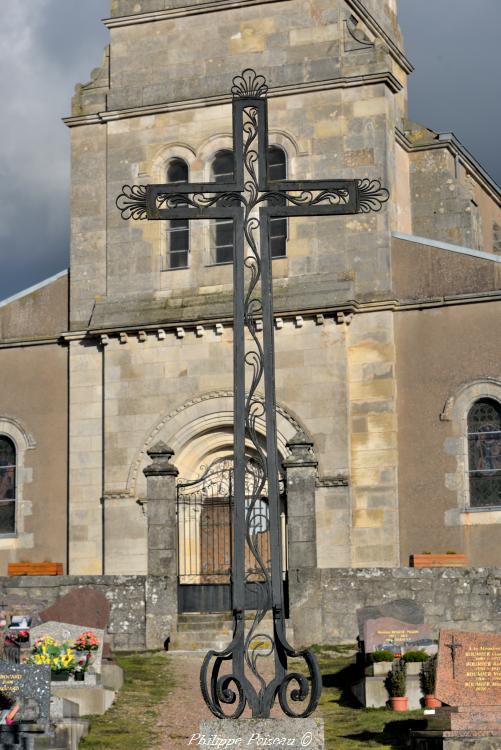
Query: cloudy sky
[{"x": 46, "y": 46}]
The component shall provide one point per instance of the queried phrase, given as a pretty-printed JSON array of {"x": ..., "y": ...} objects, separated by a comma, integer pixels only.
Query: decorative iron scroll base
[{"x": 234, "y": 677}]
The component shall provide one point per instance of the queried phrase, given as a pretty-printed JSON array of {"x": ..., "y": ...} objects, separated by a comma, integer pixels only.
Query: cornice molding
[
  {"x": 397, "y": 54},
  {"x": 387, "y": 78},
  {"x": 350, "y": 308},
  {"x": 42, "y": 341},
  {"x": 216, "y": 6},
  {"x": 211, "y": 6},
  {"x": 456, "y": 148}
]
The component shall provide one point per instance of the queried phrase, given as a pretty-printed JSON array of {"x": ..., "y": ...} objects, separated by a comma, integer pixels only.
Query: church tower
[
  {"x": 150, "y": 305},
  {"x": 154, "y": 303}
]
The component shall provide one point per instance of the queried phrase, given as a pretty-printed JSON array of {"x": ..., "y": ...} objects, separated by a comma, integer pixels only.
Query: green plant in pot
[
  {"x": 381, "y": 655},
  {"x": 428, "y": 679},
  {"x": 415, "y": 656},
  {"x": 396, "y": 685}
]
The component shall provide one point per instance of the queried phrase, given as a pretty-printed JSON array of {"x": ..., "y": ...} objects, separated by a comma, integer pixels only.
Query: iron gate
[{"x": 205, "y": 517}]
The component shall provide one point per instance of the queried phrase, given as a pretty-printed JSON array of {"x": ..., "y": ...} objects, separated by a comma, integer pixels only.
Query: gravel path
[{"x": 184, "y": 708}]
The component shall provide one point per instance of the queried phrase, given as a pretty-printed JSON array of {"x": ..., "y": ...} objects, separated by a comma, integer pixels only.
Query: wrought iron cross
[
  {"x": 251, "y": 200},
  {"x": 454, "y": 647}
]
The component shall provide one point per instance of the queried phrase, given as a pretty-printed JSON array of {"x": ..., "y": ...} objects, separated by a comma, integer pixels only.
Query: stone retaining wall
[
  {"x": 324, "y": 602},
  {"x": 143, "y": 609}
]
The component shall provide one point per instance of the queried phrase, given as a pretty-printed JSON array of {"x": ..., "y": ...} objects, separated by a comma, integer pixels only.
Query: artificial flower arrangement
[
  {"x": 17, "y": 636},
  {"x": 60, "y": 657},
  {"x": 87, "y": 642},
  {"x": 85, "y": 645}
]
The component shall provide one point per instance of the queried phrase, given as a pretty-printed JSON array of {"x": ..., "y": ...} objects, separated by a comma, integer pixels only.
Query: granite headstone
[
  {"x": 84, "y": 606},
  {"x": 394, "y": 635},
  {"x": 469, "y": 668},
  {"x": 469, "y": 682},
  {"x": 26, "y": 686},
  {"x": 405, "y": 610}
]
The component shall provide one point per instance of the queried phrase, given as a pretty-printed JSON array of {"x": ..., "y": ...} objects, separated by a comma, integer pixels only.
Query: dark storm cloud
[
  {"x": 454, "y": 46},
  {"x": 46, "y": 46}
]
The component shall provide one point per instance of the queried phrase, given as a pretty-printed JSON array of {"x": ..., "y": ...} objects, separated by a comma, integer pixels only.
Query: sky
[{"x": 47, "y": 46}]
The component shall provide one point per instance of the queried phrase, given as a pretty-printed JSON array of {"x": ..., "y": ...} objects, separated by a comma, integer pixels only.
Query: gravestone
[
  {"x": 406, "y": 610},
  {"x": 84, "y": 606},
  {"x": 64, "y": 631},
  {"x": 26, "y": 686},
  {"x": 394, "y": 635},
  {"x": 390, "y": 634},
  {"x": 469, "y": 682}
]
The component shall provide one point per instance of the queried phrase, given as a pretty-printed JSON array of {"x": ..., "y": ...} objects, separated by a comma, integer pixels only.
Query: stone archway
[{"x": 199, "y": 431}]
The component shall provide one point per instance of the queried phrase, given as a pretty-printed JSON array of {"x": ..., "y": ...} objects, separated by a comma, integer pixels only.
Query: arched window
[
  {"x": 178, "y": 231},
  {"x": 223, "y": 170},
  {"x": 277, "y": 170},
  {"x": 484, "y": 453},
  {"x": 7, "y": 486}
]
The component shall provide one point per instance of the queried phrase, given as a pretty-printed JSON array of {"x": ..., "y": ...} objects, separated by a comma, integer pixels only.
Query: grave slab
[
  {"x": 257, "y": 733},
  {"x": 90, "y": 700}
]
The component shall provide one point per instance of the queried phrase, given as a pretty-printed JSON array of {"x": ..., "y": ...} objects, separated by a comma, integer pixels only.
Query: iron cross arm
[{"x": 226, "y": 200}]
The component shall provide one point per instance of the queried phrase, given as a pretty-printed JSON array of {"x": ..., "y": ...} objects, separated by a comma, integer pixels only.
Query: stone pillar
[
  {"x": 301, "y": 472},
  {"x": 161, "y": 586}
]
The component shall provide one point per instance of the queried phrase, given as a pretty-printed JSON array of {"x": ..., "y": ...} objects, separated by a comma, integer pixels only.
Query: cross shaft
[{"x": 251, "y": 201}]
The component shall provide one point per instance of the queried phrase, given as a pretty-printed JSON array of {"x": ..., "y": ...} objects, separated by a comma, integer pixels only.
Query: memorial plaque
[
  {"x": 24, "y": 693},
  {"x": 469, "y": 668},
  {"x": 63, "y": 631},
  {"x": 396, "y": 636}
]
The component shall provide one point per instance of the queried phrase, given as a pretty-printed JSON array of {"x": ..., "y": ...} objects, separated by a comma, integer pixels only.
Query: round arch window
[
  {"x": 484, "y": 453},
  {"x": 7, "y": 486}
]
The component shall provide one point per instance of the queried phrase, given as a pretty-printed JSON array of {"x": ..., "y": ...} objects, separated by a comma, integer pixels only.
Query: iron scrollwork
[{"x": 251, "y": 201}]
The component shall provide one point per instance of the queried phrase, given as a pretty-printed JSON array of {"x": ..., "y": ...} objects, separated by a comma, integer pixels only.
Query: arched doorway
[{"x": 204, "y": 516}]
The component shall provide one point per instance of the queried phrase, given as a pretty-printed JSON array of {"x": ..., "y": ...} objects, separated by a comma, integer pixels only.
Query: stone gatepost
[
  {"x": 161, "y": 585},
  {"x": 301, "y": 472}
]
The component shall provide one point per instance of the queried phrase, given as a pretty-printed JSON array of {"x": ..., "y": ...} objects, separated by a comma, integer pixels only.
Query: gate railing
[{"x": 205, "y": 516}]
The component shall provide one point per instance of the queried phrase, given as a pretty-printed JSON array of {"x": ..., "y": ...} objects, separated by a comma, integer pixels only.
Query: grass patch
[
  {"x": 347, "y": 726},
  {"x": 130, "y": 724}
]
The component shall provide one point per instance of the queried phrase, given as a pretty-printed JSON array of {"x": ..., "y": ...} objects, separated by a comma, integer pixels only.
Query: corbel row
[{"x": 180, "y": 332}]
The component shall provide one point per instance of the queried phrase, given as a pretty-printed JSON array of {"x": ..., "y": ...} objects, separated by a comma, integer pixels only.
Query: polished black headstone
[{"x": 26, "y": 686}]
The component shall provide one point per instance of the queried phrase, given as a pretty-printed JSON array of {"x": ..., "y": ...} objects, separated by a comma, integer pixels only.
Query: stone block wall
[
  {"x": 133, "y": 600},
  {"x": 324, "y": 602}
]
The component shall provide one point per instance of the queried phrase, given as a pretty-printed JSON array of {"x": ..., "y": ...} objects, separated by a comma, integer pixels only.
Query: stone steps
[{"x": 201, "y": 631}]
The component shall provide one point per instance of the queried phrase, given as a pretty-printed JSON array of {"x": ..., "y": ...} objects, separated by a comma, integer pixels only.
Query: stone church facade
[{"x": 387, "y": 357}]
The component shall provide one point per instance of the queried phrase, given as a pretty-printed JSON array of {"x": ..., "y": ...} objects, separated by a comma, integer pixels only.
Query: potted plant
[
  {"x": 414, "y": 660},
  {"x": 428, "y": 679},
  {"x": 60, "y": 657},
  {"x": 396, "y": 684}
]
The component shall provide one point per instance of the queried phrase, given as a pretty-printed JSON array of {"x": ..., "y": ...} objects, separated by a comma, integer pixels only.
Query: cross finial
[{"x": 249, "y": 85}]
